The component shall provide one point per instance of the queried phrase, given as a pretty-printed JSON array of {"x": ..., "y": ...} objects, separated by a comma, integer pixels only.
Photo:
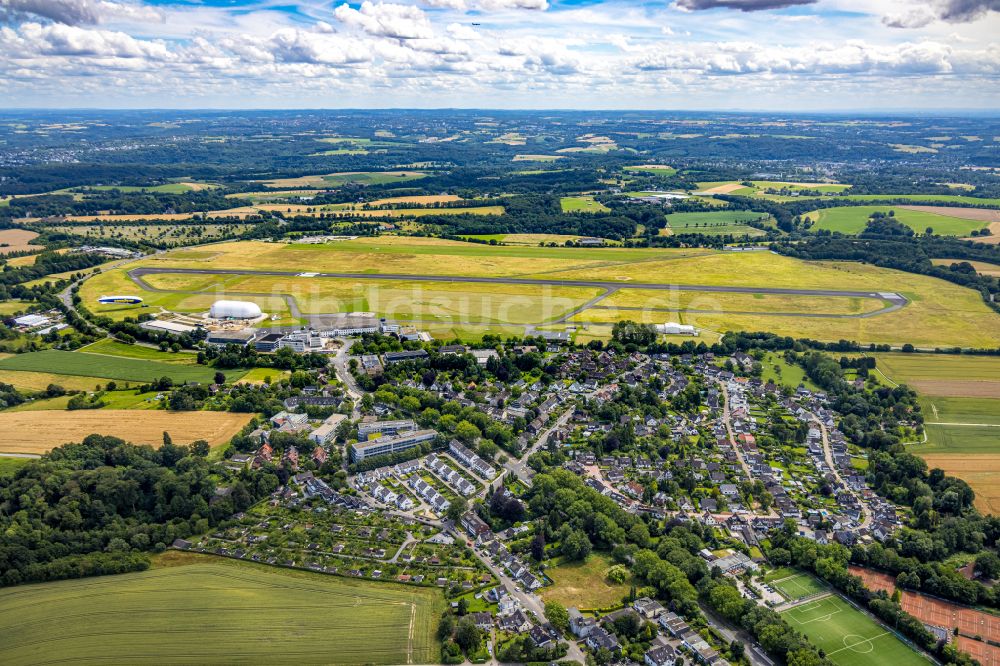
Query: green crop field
[
  {"x": 922, "y": 198},
  {"x": 960, "y": 439},
  {"x": 715, "y": 222},
  {"x": 219, "y": 612},
  {"x": 582, "y": 204},
  {"x": 106, "y": 366},
  {"x": 169, "y": 188},
  {"x": 657, "y": 169},
  {"x": 852, "y": 220},
  {"x": 848, "y": 636},
  {"x": 339, "y": 179},
  {"x": 115, "y": 348},
  {"x": 793, "y": 584},
  {"x": 939, "y": 409}
]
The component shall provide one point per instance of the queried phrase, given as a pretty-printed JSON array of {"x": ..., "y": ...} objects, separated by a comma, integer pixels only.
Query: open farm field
[
  {"x": 18, "y": 262},
  {"x": 232, "y": 213},
  {"x": 338, "y": 179},
  {"x": 962, "y": 410},
  {"x": 852, "y": 220},
  {"x": 982, "y": 267},
  {"x": 172, "y": 234},
  {"x": 724, "y": 188},
  {"x": 977, "y": 214},
  {"x": 659, "y": 169},
  {"x": 537, "y": 158},
  {"x": 221, "y": 612},
  {"x": 17, "y": 240},
  {"x": 10, "y": 307},
  {"x": 106, "y": 366},
  {"x": 959, "y": 439},
  {"x": 923, "y": 198},
  {"x": 39, "y": 381},
  {"x": 943, "y": 375},
  {"x": 168, "y": 188},
  {"x": 584, "y": 584},
  {"x": 424, "y": 199},
  {"x": 981, "y": 471},
  {"x": 848, "y": 636},
  {"x": 960, "y": 400},
  {"x": 115, "y": 348},
  {"x": 41, "y": 430},
  {"x": 714, "y": 223},
  {"x": 582, "y": 204},
  {"x": 341, "y": 211},
  {"x": 266, "y": 195}
]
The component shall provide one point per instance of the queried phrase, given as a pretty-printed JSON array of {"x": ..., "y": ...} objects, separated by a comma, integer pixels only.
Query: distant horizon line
[{"x": 905, "y": 111}]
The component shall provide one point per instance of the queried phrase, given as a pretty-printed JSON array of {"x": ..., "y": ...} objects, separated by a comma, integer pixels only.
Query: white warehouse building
[{"x": 234, "y": 310}]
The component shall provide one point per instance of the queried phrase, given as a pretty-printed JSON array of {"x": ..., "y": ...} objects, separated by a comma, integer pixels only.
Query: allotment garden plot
[{"x": 848, "y": 636}]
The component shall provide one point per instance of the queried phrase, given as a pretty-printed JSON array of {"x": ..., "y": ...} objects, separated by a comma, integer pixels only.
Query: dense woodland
[{"x": 100, "y": 506}]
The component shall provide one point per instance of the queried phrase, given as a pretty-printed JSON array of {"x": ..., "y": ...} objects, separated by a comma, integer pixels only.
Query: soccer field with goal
[
  {"x": 850, "y": 637},
  {"x": 793, "y": 584}
]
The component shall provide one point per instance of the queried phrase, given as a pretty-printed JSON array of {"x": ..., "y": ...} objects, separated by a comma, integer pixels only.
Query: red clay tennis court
[{"x": 929, "y": 610}]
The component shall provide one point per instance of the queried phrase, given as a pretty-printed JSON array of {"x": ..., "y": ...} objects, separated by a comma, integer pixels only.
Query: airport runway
[{"x": 895, "y": 300}]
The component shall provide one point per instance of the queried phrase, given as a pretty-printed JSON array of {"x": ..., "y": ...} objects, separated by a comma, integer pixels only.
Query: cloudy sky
[{"x": 606, "y": 54}]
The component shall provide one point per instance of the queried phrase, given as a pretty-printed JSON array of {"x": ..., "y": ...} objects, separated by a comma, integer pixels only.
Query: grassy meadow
[
  {"x": 584, "y": 584},
  {"x": 582, "y": 204},
  {"x": 852, "y": 220}
]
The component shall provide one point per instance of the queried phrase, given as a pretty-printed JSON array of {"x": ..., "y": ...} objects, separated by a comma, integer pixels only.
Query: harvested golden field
[
  {"x": 982, "y": 267},
  {"x": 978, "y": 214},
  {"x": 39, "y": 381},
  {"x": 417, "y": 199},
  {"x": 40, "y": 431},
  {"x": 339, "y": 211},
  {"x": 17, "y": 240},
  {"x": 993, "y": 239},
  {"x": 723, "y": 189},
  {"x": 980, "y": 471}
]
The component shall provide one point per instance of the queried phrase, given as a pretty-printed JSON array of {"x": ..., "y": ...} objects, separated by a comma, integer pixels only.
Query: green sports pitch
[
  {"x": 848, "y": 636},
  {"x": 793, "y": 584}
]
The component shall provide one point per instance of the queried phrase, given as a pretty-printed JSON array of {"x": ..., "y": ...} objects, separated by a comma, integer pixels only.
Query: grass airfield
[{"x": 937, "y": 314}]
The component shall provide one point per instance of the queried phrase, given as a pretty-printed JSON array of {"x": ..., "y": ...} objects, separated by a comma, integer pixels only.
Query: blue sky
[{"x": 795, "y": 55}]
